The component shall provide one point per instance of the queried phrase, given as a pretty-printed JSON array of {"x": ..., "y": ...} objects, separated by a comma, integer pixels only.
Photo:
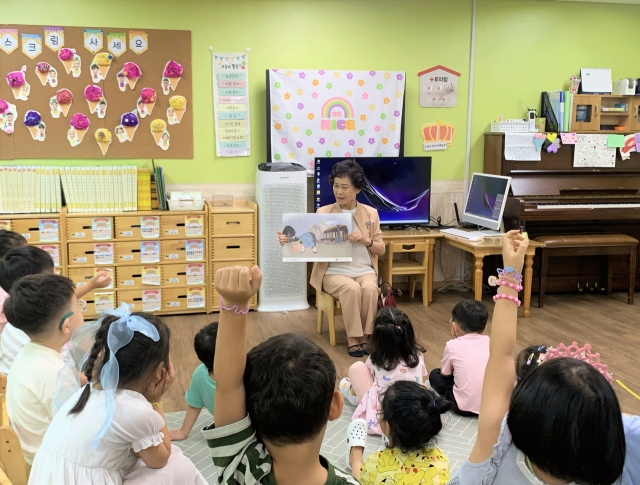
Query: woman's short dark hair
[
  {"x": 393, "y": 340},
  {"x": 413, "y": 414},
  {"x": 566, "y": 419},
  {"x": 351, "y": 169}
]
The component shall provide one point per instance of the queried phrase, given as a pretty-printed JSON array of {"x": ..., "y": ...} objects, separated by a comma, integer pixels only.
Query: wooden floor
[{"x": 610, "y": 325}]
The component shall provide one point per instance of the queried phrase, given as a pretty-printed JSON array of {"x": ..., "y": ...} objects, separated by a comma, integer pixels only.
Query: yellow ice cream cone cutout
[
  {"x": 103, "y": 137},
  {"x": 179, "y": 106},
  {"x": 158, "y": 127},
  {"x": 103, "y": 60}
]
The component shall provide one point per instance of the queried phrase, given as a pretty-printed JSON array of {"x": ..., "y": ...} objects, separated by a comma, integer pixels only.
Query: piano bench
[{"x": 588, "y": 245}]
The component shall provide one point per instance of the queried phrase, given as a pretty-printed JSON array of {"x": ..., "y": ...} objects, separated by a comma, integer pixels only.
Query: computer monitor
[
  {"x": 486, "y": 200},
  {"x": 398, "y": 187}
]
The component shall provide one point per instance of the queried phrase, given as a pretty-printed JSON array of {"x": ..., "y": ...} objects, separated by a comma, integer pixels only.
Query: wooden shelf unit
[
  {"x": 592, "y": 118},
  {"x": 234, "y": 241}
]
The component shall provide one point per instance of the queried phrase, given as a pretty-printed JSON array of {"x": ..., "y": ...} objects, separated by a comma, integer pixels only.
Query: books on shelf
[
  {"x": 100, "y": 188},
  {"x": 144, "y": 189},
  {"x": 29, "y": 189}
]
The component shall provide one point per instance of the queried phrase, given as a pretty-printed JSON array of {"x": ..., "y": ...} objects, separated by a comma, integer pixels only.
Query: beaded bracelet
[
  {"x": 235, "y": 308},
  {"x": 515, "y": 286},
  {"x": 503, "y": 296}
]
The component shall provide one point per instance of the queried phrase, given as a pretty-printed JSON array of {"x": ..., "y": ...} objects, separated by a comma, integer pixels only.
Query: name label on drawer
[
  {"x": 174, "y": 280},
  {"x": 81, "y": 260},
  {"x": 173, "y": 303},
  {"x": 172, "y": 232},
  {"x": 172, "y": 256},
  {"x": 78, "y": 234},
  {"x": 126, "y": 233},
  {"x": 127, "y": 257},
  {"x": 128, "y": 283},
  {"x": 26, "y": 236}
]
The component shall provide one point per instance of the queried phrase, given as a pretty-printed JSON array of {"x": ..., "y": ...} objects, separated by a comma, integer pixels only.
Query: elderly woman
[{"x": 354, "y": 283}]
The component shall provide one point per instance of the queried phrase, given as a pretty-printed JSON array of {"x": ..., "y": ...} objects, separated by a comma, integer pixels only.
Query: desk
[
  {"x": 414, "y": 236},
  {"x": 479, "y": 252}
]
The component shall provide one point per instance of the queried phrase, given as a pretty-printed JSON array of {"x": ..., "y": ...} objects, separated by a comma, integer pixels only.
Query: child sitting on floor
[
  {"x": 113, "y": 430},
  {"x": 528, "y": 359},
  {"x": 461, "y": 372},
  {"x": 23, "y": 261},
  {"x": 8, "y": 241},
  {"x": 202, "y": 388},
  {"x": 395, "y": 355},
  {"x": 46, "y": 309},
  {"x": 410, "y": 418},
  {"x": 286, "y": 385}
]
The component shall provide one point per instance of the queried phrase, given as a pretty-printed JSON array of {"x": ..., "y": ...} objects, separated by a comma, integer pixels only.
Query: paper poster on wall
[
  {"x": 231, "y": 104},
  {"x": 437, "y": 136},
  {"x": 438, "y": 87},
  {"x": 334, "y": 114},
  {"x": 592, "y": 151},
  {"x": 317, "y": 237},
  {"x": 522, "y": 146}
]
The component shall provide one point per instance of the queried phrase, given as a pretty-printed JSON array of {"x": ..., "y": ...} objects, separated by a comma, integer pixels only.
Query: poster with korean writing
[
  {"x": 334, "y": 114},
  {"x": 231, "y": 104}
]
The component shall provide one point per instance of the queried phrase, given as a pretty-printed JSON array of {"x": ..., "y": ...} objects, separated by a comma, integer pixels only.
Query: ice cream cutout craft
[
  {"x": 171, "y": 76},
  {"x": 35, "y": 125},
  {"x": 47, "y": 74},
  {"x": 160, "y": 133},
  {"x": 102, "y": 61},
  {"x": 129, "y": 122},
  {"x": 61, "y": 103},
  {"x": 78, "y": 127},
  {"x": 147, "y": 101},
  {"x": 66, "y": 56},
  {"x": 176, "y": 109},
  {"x": 8, "y": 115},
  {"x": 103, "y": 137},
  {"x": 128, "y": 75},
  {"x": 18, "y": 84},
  {"x": 95, "y": 98}
]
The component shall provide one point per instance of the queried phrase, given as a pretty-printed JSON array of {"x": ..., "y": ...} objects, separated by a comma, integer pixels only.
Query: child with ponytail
[{"x": 113, "y": 430}]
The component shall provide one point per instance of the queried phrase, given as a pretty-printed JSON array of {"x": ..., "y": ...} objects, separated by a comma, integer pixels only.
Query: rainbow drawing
[{"x": 337, "y": 108}]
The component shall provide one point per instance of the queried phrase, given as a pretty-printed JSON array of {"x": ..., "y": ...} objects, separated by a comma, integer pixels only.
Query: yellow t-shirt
[{"x": 392, "y": 467}]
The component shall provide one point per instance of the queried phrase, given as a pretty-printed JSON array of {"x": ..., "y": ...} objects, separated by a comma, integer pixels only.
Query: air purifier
[{"x": 280, "y": 188}]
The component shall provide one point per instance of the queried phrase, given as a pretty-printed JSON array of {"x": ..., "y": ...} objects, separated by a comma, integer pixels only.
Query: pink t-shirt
[
  {"x": 466, "y": 358},
  {"x": 3, "y": 319}
]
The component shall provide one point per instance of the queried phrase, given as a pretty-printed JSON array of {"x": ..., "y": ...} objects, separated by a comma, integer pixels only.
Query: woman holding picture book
[{"x": 354, "y": 283}]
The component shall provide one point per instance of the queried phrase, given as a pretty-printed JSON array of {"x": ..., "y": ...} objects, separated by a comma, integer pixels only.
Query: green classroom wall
[{"x": 522, "y": 48}]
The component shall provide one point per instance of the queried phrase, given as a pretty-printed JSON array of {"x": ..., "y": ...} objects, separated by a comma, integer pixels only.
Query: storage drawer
[
  {"x": 80, "y": 276},
  {"x": 215, "y": 266},
  {"x": 183, "y": 250},
  {"x": 89, "y": 228},
  {"x": 233, "y": 248},
  {"x": 92, "y": 253},
  {"x": 128, "y": 227},
  {"x": 184, "y": 274},
  {"x": 99, "y": 301},
  {"x": 54, "y": 251},
  {"x": 143, "y": 300},
  {"x": 37, "y": 230},
  {"x": 189, "y": 298},
  {"x": 233, "y": 224},
  {"x": 128, "y": 252},
  {"x": 189, "y": 225}
]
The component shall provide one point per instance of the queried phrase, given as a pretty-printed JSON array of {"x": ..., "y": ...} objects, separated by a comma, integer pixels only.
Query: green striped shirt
[{"x": 240, "y": 459}]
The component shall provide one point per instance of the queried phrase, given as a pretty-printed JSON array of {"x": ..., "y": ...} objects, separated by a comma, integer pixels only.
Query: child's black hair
[
  {"x": 413, "y": 414},
  {"x": 204, "y": 344},
  {"x": 528, "y": 360},
  {"x": 23, "y": 261},
  {"x": 10, "y": 240},
  {"x": 37, "y": 302},
  {"x": 289, "y": 383},
  {"x": 393, "y": 340},
  {"x": 289, "y": 231},
  {"x": 566, "y": 419},
  {"x": 136, "y": 361},
  {"x": 471, "y": 316}
]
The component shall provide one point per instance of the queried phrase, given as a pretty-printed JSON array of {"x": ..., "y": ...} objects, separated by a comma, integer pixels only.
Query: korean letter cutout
[
  {"x": 8, "y": 40},
  {"x": 117, "y": 43},
  {"x": 93, "y": 39},
  {"x": 32, "y": 45},
  {"x": 54, "y": 38}
]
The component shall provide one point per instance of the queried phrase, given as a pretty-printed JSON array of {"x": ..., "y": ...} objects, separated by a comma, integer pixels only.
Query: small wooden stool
[
  {"x": 331, "y": 306},
  {"x": 589, "y": 245}
]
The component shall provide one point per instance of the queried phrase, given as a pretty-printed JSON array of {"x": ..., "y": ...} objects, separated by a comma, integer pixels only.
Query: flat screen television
[
  {"x": 486, "y": 200},
  {"x": 398, "y": 187}
]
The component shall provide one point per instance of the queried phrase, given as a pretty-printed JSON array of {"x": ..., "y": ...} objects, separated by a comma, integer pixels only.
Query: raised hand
[
  {"x": 236, "y": 285},
  {"x": 514, "y": 246},
  {"x": 101, "y": 280},
  {"x": 282, "y": 239}
]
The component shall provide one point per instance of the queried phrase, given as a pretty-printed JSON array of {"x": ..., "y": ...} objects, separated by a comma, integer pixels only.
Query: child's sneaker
[{"x": 347, "y": 391}]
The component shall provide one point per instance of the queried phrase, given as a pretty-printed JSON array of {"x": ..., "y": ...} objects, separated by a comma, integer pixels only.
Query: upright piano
[{"x": 551, "y": 196}]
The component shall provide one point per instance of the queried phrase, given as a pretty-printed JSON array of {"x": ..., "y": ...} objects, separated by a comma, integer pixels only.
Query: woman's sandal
[
  {"x": 357, "y": 350},
  {"x": 356, "y": 436}
]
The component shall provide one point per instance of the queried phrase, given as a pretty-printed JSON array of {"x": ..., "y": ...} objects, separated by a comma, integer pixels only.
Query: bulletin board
[{"x": 163, "y": 46}]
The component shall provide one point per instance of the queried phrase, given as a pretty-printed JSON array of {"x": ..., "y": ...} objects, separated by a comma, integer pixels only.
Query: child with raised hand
[
  {"x": 562, "y": 424},
  {"x": 202, "y": 389},
  {"x": 8, "y": 241},
  {"x": 24, "y": 261},
  {"x": 113, "y": 430},
  {"x": 46, "y": 309},
  {"x": 272, "y": 405},
  {"x": 395, "y": 355},
  {"x": 461, "y": 372},
  {"x": 410, "y": 418}
]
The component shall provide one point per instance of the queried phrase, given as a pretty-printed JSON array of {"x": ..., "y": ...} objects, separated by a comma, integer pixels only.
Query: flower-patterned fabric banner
[{"x": 335, "y": 114}]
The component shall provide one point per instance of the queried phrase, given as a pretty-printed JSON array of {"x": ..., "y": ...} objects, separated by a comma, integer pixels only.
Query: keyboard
[
  {"x": 470, "y": 235},
  {"x": 588, "y": 206}
]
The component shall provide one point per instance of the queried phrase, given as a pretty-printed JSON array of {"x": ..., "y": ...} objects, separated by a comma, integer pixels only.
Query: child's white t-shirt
[
  {"x": 11, "y": 342},
  {"x": 31, "y": 382}
]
